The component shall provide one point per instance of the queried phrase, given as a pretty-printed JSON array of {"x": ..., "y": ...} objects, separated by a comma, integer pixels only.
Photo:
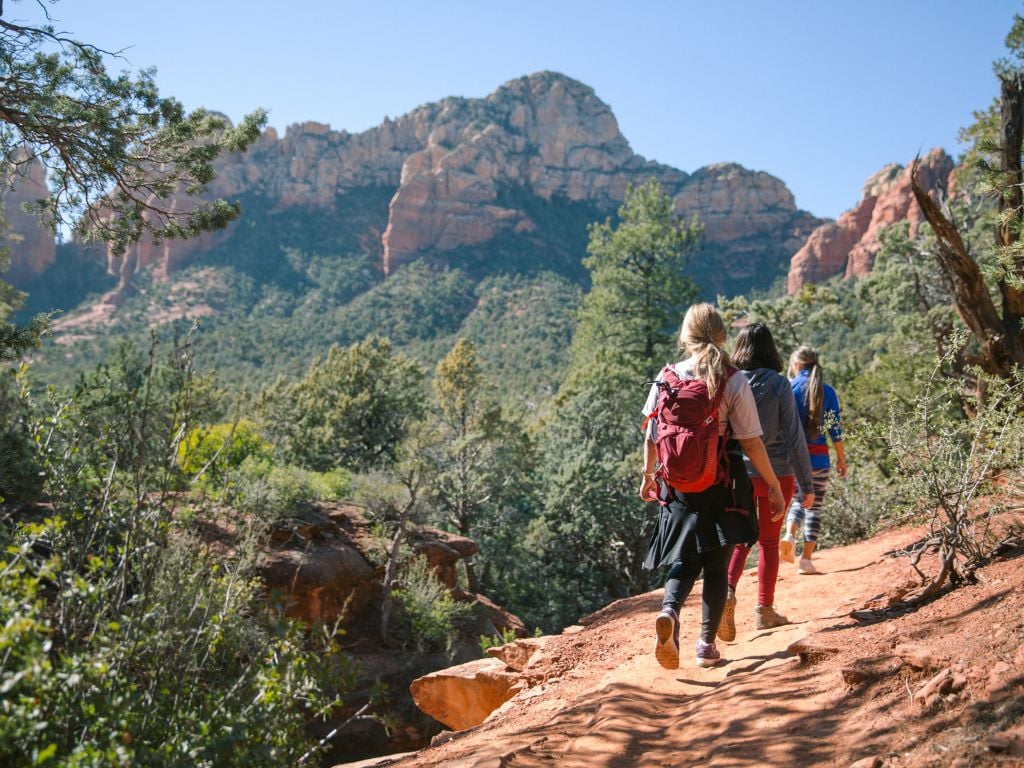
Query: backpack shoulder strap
[
  {"x": 666, "y": 379},
  {"x": 669, "y": 376}
]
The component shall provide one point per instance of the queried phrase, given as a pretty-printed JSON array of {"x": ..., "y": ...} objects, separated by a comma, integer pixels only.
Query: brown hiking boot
[
  {"x": 767, "y": 617},
  {"x": 727, "y": 627}
]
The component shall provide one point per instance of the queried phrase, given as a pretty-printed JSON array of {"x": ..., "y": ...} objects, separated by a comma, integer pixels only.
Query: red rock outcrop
[
  {"x": 464, "y": 695},
  {"x": 848, "y": 246},
  {"x": 32, "y": 246},
  {"x": 443, "y": 551},
  {"x": 318, "y": 567}
]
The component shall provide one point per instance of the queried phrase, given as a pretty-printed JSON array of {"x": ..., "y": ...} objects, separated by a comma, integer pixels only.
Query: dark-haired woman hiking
[
  {"x": 818, "y": 405},
  {"x": 697, "y": 531},
  {"x": 757, "y": 357}
]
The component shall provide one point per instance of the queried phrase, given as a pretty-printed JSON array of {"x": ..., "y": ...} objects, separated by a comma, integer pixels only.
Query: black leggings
[{"x": 683, "y": 575}]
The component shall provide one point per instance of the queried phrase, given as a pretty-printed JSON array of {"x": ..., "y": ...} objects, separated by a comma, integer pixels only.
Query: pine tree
[
  {"x": 639, "y": 286},
  {"x": 483, "y": 465}
]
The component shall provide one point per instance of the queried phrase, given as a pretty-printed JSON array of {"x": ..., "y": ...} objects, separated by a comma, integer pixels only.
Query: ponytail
[
  {"x": 806, "y": 359},
  {"x": 703, "y": 336}
]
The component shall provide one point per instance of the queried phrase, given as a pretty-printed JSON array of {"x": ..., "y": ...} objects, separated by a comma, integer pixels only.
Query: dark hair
[{"x": 755, "y": 348}]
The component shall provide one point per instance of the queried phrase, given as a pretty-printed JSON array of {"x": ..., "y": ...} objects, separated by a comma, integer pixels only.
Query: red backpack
[{"x": 688, "y": 444}]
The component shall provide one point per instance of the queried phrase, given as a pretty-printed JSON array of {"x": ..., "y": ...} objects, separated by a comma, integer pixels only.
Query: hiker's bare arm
[
  {"x": 647, "y": 486},
  {"x": 840, "y": 458},
  {"x": 754, "y": 448}
]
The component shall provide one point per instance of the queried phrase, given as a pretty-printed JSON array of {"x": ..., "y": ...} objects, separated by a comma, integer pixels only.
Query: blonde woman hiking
[
  {"x": 696, "y": 530},
  {"x": 818, "y": 405}
]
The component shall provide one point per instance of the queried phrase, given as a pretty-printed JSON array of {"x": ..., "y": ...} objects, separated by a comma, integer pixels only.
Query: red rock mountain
[
  {"x": 848, "y": 246},
  {"x": 32, "y": 247},
  {"x": 466, "y": 173}
]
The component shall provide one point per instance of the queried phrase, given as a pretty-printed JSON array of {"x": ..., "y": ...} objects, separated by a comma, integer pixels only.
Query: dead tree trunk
[
  {"x": 1011, "y": 199},
  {"x": 999, "y": 333},
  {"x": 970, "y": 294},
  {"x": 387, "y": 601}
]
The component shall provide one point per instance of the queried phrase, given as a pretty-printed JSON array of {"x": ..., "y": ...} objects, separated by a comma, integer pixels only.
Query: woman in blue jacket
[{"x": 818, "y": 405}]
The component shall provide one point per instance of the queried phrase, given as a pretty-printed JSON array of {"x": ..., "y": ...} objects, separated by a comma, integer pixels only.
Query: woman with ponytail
[
  {"x": 696, "y": 532},
  {"x": 818, "y": 405}
]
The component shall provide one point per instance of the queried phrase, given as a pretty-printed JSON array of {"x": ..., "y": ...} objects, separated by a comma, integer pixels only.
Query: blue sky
[{"x": 820, "y": 94}]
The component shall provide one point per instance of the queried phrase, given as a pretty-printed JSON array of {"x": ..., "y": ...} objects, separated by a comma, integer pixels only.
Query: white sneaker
[
  {"x": 807, "y": 567},
  {"x": 786, "y": 548}
]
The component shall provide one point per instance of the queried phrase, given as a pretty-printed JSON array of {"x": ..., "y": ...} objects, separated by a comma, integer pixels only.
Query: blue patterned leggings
[{"x": 810, "y": 518}]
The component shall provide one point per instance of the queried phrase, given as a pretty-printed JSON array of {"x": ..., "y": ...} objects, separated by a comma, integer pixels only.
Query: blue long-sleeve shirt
[{"x": 817, "y": 446}]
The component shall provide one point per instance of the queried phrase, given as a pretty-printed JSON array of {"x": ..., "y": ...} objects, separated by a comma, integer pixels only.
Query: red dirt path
[{"x": 608, "y": 704}]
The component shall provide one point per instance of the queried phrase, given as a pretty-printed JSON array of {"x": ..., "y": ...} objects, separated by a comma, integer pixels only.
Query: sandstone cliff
[
  {"x": 32, "y": 246},
  {"x": 848, "y": 246},
  {"x": 464, "y": 174}
]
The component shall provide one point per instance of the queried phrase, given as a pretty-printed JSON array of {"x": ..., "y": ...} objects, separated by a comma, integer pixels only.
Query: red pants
[{"x": 768, "y": 540}]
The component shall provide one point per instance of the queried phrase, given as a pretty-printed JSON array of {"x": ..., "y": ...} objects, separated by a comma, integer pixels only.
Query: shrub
[
  {"x": 504, "y": 637},
  {"x": 948, "y": 450},
  {"x": 429, "y": 614},
  {"x": 273, "y": 492},
  {"x": 216, "y": 449},
  {"x": 19, "y": 471}
]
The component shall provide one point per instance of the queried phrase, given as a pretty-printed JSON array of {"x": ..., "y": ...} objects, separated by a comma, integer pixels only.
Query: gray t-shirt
[{"x": 737, "y": 408}]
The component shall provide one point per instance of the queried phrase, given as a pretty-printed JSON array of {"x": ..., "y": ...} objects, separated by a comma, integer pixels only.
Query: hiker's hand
[
  {"x": 648, "y": 488},
  {"x": 808, "y": 501},
  {"x": 841, "y": 467},
  {"x": 777, "y": 502}
]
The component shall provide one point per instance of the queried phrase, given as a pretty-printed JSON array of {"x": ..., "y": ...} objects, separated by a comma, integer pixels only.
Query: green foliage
[
  {"x": 350, "y": 410},
  {"x": 429, "y": 616},
  {"x": 481, "y": 467},
  {"x": 417, "y": 302},
  {"x": 814, "y": 310},
  {"x": 522, "y": 328},
  {"x": 946, "y": 461},
  {"x": 592, "y": 532},
  {"x": 273, "y": 492},
  {"x": 20, "y": 479},
  {"x": 110, "y": 143},
  {"x": 216, "y": 449},
  {"x": 181, "y": 674},
  {"x": 504, "y": 637},
  {"x": 16, "y": 340},
  {"x": 129, "y": 638}
]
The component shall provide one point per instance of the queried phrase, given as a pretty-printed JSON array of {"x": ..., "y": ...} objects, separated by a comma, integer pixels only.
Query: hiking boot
[
  {"x": 767, "y": 617},
  {"x": 707, "y": 654},
  {"x": 787, "y": 547},
  {"x": 727, "y": 627},
  {"x": 807, "y": 567},
  {"x": 666, "y": 651}
]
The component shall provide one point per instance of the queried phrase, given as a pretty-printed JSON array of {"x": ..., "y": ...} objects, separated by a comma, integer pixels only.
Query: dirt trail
[{"x": 609, "y": 704}]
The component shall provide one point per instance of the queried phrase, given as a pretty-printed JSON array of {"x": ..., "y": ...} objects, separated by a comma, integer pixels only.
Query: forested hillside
[{"x": 428, "y": 227}]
